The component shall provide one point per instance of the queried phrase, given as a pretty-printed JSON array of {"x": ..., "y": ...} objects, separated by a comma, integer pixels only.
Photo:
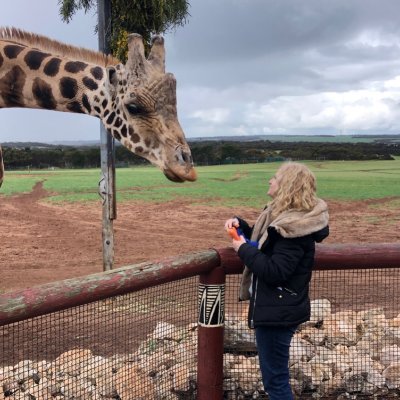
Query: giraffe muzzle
[{"x": 181, "y": 168}]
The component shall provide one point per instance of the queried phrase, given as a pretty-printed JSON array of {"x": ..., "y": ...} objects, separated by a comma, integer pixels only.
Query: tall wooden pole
[{"x": 107, "y": 150}]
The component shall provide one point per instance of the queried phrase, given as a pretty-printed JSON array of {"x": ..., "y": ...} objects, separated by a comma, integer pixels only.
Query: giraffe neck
[{"x": 31, "y": 78}]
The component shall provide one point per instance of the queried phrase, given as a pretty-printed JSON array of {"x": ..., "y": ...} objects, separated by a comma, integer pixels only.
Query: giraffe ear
[{"x": 157, "y": 54}]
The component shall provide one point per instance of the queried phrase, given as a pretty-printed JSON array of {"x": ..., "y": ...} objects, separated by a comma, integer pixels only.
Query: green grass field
[{"x": 216, "y": 185}]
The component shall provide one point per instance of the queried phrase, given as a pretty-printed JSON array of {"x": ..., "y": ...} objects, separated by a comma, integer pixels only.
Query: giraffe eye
[{"x": 135, "y": 109}]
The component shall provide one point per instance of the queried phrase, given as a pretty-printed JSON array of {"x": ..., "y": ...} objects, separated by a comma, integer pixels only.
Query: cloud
[
  {"x": 353, "y": 110},
  {"x": 248, "y": 67}
]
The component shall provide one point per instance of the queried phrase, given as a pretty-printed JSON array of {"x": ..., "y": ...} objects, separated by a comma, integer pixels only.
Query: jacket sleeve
[
  {"x": 276, "y": 268},
  {"x": 245, "y": 227}
]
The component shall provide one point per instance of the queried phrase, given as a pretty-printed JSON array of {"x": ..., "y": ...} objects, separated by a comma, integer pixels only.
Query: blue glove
[{"x": 250, "y": 242}]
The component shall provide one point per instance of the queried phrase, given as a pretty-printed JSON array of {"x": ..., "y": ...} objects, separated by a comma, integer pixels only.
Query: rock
[
  {"x": 390, "y": 355},
  {"x": 373, "y": 321},
  {"x": 320, "y": 309},
  {"x": 76, "y": 388},
  {"x": 130, "y": 383},
  {"x": 105, "y": 386},
  {"x": 375, "y": 378},
  {"x": 10, "y": 386},
  {"x": 24, "y": 370},
  {"x": 164, "y": 330},
  {"x": 300, "y": 350},
  {"x": 392, "y": 376},
  {"x": 354, "y": 383},
  {"x": 180, "y": 378},
  {"x": 314, "y": 336},
  {"x": 395, "y": 322},
  {"x": 237, "y": 335},
  {"x": 343, "y": 328},
  {"x": 72, "y": 361},
  {"x": 40, "y": 390},
  {"x": 95, "y": 367}
]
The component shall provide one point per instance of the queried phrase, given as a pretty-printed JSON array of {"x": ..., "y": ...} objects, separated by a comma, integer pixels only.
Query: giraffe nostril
[{"x": 183, "y": 157}]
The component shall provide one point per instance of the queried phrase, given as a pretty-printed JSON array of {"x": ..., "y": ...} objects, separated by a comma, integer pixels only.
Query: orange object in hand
[{"x": 233, "y": 233}]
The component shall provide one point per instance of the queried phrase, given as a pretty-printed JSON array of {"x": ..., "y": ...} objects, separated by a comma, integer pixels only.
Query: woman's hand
[
  {"x": 231, "y": 222},
  {"x": 237, "y": 243},
  {"x": 234, "y": 222}
]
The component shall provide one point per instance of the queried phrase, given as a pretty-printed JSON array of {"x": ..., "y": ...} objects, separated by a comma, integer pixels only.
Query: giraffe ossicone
[{"x": 136, "y": 101}]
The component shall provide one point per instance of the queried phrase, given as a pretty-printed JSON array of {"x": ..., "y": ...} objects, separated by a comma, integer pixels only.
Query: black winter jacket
[{"x": 281, "y": 275}]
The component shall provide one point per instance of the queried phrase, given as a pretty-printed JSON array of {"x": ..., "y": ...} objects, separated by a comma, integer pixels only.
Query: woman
[{"x": 278, "y": 271}]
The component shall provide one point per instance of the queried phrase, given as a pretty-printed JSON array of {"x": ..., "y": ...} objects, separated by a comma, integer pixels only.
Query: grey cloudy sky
[{"x": 248, "y": 67}]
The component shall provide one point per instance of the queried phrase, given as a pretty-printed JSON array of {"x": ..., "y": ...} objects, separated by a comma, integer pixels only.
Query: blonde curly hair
[{"x": 297, "y": 189}]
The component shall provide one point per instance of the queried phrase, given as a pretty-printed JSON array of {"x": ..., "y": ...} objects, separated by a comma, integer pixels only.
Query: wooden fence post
[{"x": 211, "y": 335}]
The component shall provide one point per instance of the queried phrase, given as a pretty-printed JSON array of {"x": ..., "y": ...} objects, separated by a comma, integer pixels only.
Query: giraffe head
[{"x": 141, "y": 112}]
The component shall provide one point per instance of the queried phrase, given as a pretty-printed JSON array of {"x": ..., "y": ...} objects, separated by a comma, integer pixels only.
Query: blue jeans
[{"x": 273, "y": 345}]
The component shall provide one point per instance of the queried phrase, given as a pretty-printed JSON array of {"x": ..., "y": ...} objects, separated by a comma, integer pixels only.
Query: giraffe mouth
[{"x": 174, "y": 176}]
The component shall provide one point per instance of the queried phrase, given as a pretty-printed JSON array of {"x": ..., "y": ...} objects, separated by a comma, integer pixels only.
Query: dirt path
[{"x": 41, "y": 242}]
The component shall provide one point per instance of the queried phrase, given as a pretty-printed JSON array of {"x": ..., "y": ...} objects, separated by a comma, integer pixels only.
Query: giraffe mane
[{"x": 44, "y": 43}]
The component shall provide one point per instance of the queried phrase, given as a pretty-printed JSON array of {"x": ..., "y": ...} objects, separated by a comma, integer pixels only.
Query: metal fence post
[
  {"x": 211, "y": 335},
  {"x": 107, "y": 151}
]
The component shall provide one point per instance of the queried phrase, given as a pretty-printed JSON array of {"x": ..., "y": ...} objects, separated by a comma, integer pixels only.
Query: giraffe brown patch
[
  {"x": 12, "y": 50},
  {"x": 90, "y": 83},
  {"x": 118, "y": 122},
  {"x": 139, "y": 149},
  {"x": 110, "y": 119},
  {"x": 97, "y": 73},
  {"x": 116, "y": 134},
  {"x": 86, "y": 104},
  {"x": 75, "y": 66},
  {"x": 97, "y": 109},
  {"x": 106, "y": 112},
  {"x": 34, "y": 59},
  {"x": 124, "y": 131},
  {"x": 11, "y": 86},
  {"x": 68, "y": 87},
  {"x": 75, "y": 107},
  {"x": 135, "y": 138},
  {"x": 147, "y": 142},
  {"x": 104, "y": 103},
  {"x": 52, "y": 67},
  {"x": 43, "y": 94}
]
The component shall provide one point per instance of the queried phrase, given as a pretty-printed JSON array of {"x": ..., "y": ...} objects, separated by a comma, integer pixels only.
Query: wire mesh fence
[
  {"x": 350, "y": 349},
  {"x": 143, "y": 345}
]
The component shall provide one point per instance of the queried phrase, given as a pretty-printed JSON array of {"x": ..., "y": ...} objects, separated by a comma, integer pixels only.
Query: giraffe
[{"x": 136, "y": 102}]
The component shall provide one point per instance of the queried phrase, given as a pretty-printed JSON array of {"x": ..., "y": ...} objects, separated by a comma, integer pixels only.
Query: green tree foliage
[
  {"x": 203, "y": 152},
  {"x": 146, "y": 17}
]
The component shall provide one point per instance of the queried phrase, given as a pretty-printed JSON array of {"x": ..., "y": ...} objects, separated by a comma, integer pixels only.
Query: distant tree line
[
  {"x": 222, "y": 152},
  {"x": 204, "y": 153}
]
